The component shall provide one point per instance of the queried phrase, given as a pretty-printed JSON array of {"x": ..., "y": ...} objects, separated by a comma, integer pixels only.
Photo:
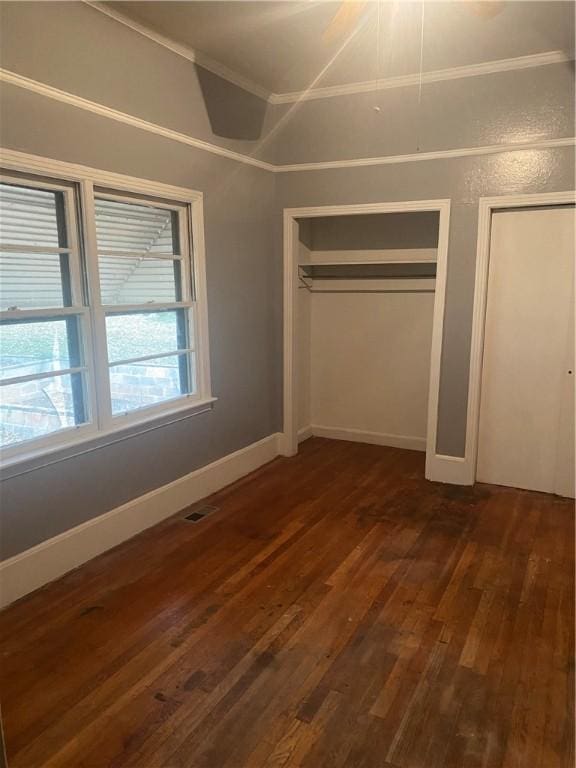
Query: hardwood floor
[{"x": 338, "y": 610}]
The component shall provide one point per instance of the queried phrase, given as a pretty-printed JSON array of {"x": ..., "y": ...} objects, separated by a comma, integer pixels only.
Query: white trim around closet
[
  {"x": 290, "y": 438},
  {"x": 486, "y": 206}
]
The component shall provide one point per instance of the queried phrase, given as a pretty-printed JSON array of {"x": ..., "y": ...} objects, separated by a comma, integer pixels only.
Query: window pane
[
  {"x": 145, "y": 333},
  {"x": 137, "y": 385},
  {"x": 37, "y": 408},
  {"x": 39, "y": 347},
  {"x": 34, "y": 281},
  {"x": 139, "y": 228},
  {"x": 31, "y": 217},
  {"x": 139, "y": 280}
]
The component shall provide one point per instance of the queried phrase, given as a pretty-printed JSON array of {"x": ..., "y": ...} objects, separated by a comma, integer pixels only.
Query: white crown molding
[
  {"x": 197, "y": 57},
  {"x": 401, "y": 81},
  {"x": 113, "y": 114},
  {"x": 122, "y": 117},
  {"x": 434, "y": 76},
  {"x": 441, "y": 154}
]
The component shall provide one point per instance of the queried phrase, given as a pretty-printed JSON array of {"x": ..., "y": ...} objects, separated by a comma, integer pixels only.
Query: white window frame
[{"x": 92, "y": 313}]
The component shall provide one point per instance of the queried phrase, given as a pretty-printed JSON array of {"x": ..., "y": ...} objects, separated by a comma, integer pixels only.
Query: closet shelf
[{"x": 405, "y": 270}]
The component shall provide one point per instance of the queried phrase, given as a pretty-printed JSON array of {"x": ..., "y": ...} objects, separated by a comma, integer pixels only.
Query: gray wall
[
  {"x": 71, "y": 46},
  {"x": 75, "y": 48},
  {"x": 517, "y": 106},
  {"x": 463, "y": 180},
  {"x": 375, "y": 231},
  {"x": 523, "y": 105},
  {"x": 242, "y": 280}
]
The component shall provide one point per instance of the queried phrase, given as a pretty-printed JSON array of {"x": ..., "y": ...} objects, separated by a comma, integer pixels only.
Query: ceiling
[{"x": 283, "y": 46}]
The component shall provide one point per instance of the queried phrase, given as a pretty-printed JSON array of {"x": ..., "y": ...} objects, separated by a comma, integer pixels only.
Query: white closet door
[{"x": 525, "y": 431}]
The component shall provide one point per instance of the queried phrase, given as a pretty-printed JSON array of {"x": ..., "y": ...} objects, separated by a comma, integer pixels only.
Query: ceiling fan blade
[{"x": 344, "y": 20}]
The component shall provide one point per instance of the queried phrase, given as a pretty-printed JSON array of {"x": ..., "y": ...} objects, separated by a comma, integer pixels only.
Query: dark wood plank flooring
[{"x": 338, "y": 610}]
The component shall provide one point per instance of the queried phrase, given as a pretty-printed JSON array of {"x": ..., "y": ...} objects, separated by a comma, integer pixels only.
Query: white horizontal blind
[
  {"x": 136, "y": 280},
  {"x": 33, "y": 238},
  {"x": 28, "y": 217},
  {"x": 129, "y": 227},
  {"x": 137, "y": 248}
]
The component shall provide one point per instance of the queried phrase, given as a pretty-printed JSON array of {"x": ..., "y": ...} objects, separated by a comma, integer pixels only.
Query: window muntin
[
  {"x": 39, "y": 407},
  {"x": 89, "y": 344},
  {"x": 150, "y": 358},
  {"x": 139, "y": 334},
  {"x": 141, "y": 383},
  {"x": 39, "y": 347}
]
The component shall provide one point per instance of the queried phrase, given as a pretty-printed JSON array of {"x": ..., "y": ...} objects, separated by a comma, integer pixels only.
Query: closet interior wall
[{"x": 363, "y": 337}]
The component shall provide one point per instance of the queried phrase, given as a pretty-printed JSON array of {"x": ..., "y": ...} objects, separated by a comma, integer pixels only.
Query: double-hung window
[{"x": 102, "y": 310}]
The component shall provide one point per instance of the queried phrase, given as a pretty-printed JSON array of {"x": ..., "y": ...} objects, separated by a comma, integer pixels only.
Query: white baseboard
[
  {"x": 439, "y": 468},
  {"x": 50, "y": 559},
  {"x": 449, "y": 469},
  {"x": 374, "y": 438}
]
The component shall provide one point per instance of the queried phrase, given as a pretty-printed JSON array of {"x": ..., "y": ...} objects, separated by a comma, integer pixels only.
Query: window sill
[{"x": 94, "y": 440}]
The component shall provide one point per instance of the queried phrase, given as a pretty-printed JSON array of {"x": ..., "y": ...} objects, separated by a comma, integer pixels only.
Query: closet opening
[{"x": 364, "y": 293}]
